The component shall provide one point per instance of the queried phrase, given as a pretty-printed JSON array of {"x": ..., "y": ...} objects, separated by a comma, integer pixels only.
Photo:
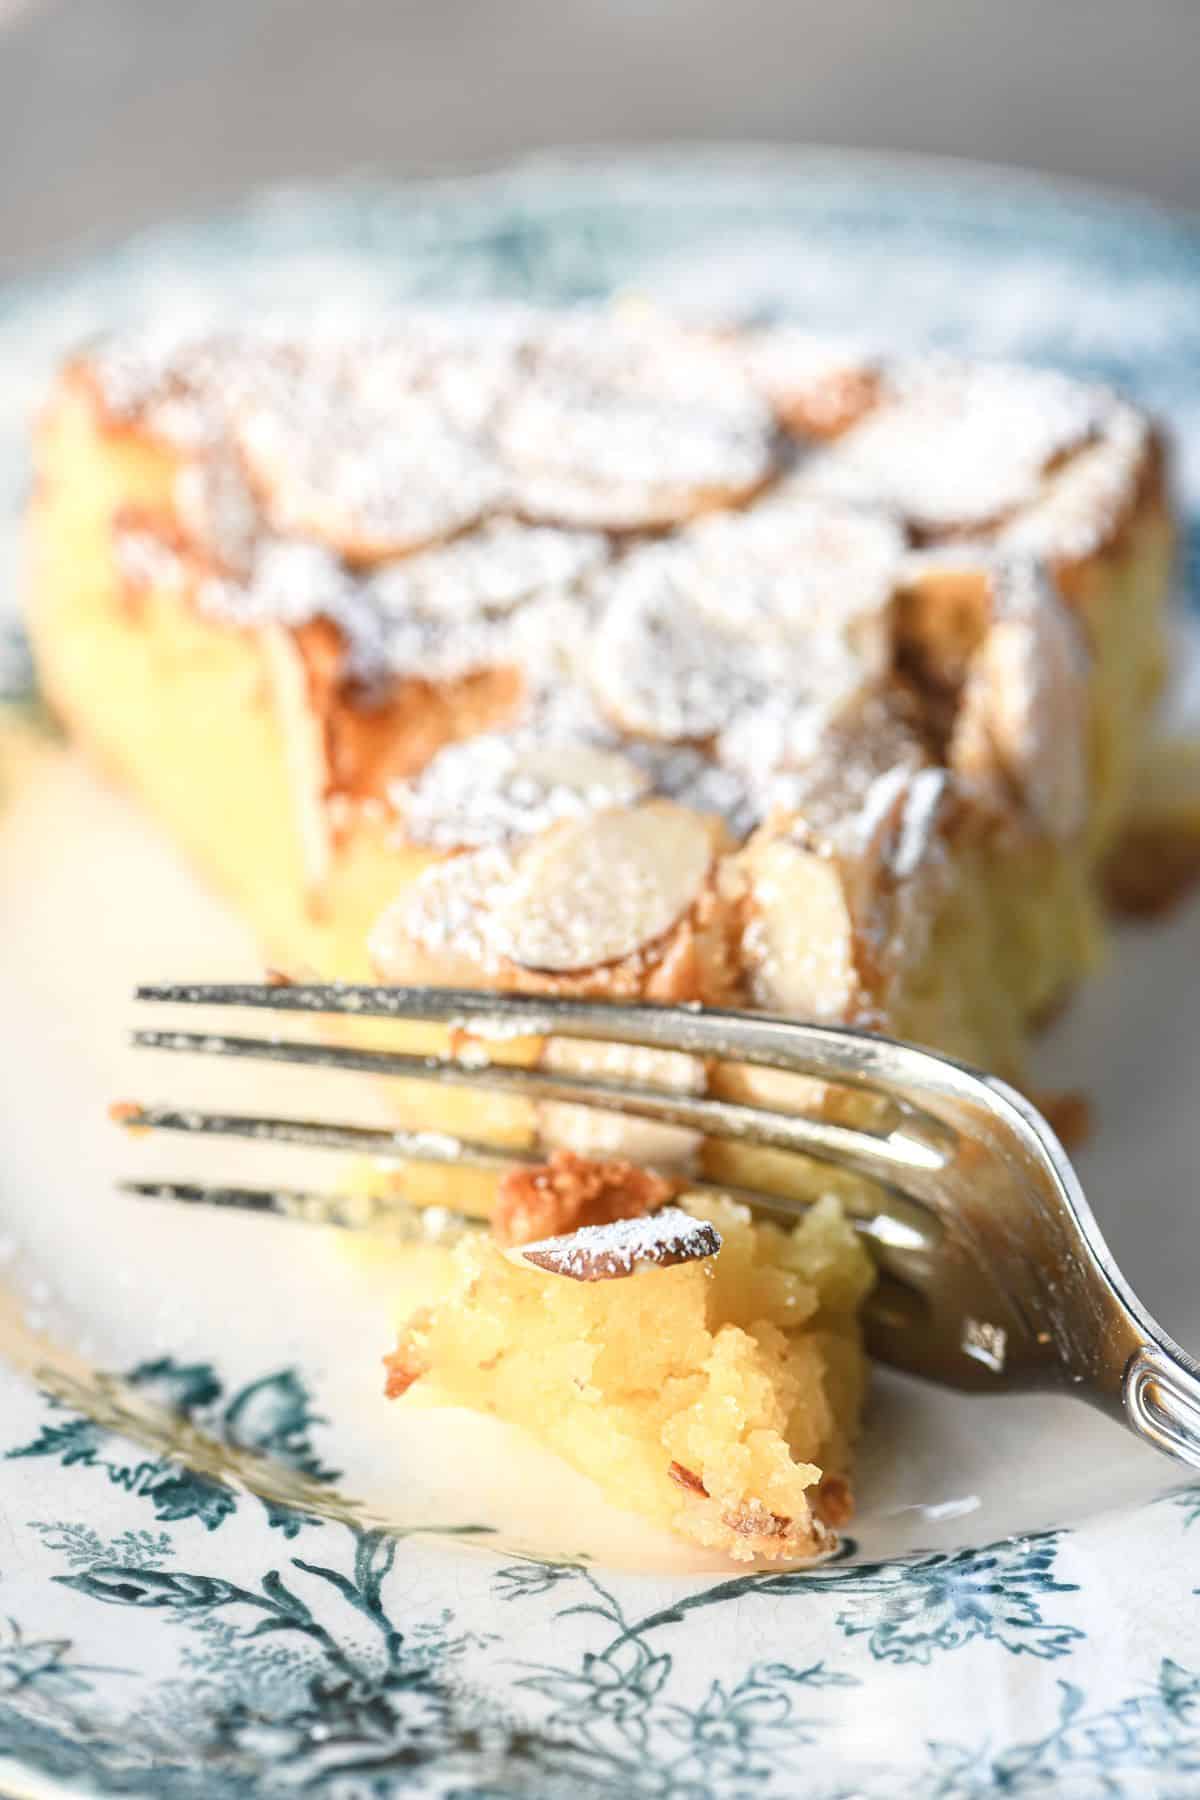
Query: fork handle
[{"x": 1161, "y": 1394}]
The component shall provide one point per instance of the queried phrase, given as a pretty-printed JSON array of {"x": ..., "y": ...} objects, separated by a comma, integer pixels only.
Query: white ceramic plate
[{"x": 173, "y": 1634}]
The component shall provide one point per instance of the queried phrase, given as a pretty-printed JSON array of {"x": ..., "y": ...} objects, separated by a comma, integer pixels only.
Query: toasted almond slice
[
  {"x": 664, "y": 671},
  {"x": 596, "y": 778},
  {"x": 826, "y": 907},
  {"x": 440, "y": 927},
  {"x": 1022, "y": 723},
  {"x": 611, "y": 1252},
  {"x": 628, "y": 422},
  {"x": 1086, "y": 497},
  {"x": 799, "y": 943},
  {"x": 791, "y": 601},
  {"x": 491, "y": 570},
  {"x": 366, "y": 487},
  {"x": 956, "y": 446},
  {"x": 597, "y": 889}
]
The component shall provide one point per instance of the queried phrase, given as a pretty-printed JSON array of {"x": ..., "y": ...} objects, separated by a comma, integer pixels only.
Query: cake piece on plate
[{"x": 705, "y": 1370}]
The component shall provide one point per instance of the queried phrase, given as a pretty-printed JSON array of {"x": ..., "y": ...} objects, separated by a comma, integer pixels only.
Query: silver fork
[{"x": 994, "y": 1276}]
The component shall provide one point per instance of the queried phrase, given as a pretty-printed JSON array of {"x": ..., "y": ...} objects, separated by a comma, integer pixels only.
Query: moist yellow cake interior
[{"x": 710, "y": 1397}]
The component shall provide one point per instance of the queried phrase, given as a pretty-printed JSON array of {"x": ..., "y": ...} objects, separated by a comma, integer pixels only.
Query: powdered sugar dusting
[
  {"x": 458, "y": 606},
  {"x": 495, "y": 788},
  {"x": 955, "y": 446},
  {"x": 448, "y": 910},
  {"x": 388, "y": 440},
  {"x": 629, "y": 422},
  {"x": 790, "y": 599},
  {"x": 599, "y": 887},
  {"x": 1089, "y": 497},
  {"x": 742, "y": 665}
]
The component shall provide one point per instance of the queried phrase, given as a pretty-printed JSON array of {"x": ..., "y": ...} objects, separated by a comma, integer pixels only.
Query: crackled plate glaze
[{"x": 226, "y": 1568}]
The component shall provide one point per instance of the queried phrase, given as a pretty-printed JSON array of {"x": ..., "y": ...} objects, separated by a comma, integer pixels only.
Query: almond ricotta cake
[
  {"x": 591, "y": 653},
  {"x": 704, "y": 1369}
]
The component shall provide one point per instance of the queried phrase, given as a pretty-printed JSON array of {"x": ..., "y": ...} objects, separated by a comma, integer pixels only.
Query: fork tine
[
  {"x": 439, "y": 1224},
  {"x": 366, "y": 1140},
  {"x": 347, "y": 1212},
  {"x": 827, "y": 1053},
  {"x": 875, "y": 1156},
  {"x": 903, "y": 1226},
  {"x": 892, "y": 1304}
]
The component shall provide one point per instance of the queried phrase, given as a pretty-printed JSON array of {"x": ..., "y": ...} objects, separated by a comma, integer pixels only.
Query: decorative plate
[{"x": 226, "y": 1568}]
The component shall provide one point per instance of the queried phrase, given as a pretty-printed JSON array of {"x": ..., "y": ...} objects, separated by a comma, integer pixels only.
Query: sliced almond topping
[
  {"x": 435, "y": 485},
  {"x": 364, "y": 446},
  {"x": 591, "y": 891},
  {"x": 789, "y": 604},
  {"x": 957, "y": 446},
  {"x": 597, "y": 889},
  {"x": 441, "y": 925},
  {"x": 799, "y": 943},
  {"x": 793, "y": 571},
  {"x": 1086, "y": 498},
  {"x": 480, "y": 600},
  {"x": 596, "y": 778},
  {"x": 830, "y": 910},
  {"x": 754, "y": 1520},
  {"x": 611, "y": 1252},
  {"x": 628, "y": 422},
  {"x": 1022, "y": 724},
  {"x": 666, "y": 673}
]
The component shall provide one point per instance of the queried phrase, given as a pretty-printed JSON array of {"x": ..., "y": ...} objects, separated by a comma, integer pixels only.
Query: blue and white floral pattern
[
  {"x": 343, "y": 1672},
  {"x": 166, "y": 1633}
]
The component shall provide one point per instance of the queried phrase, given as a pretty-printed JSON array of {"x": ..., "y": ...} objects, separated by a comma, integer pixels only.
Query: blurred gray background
[{"x": 117, "y": 112}]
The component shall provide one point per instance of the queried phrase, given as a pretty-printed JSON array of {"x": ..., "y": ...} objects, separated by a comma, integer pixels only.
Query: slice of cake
[
  {"x": 705, "y": 1370},
  {"x": 585, "y": 653},
  {"x": 589, "y": 654}
]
